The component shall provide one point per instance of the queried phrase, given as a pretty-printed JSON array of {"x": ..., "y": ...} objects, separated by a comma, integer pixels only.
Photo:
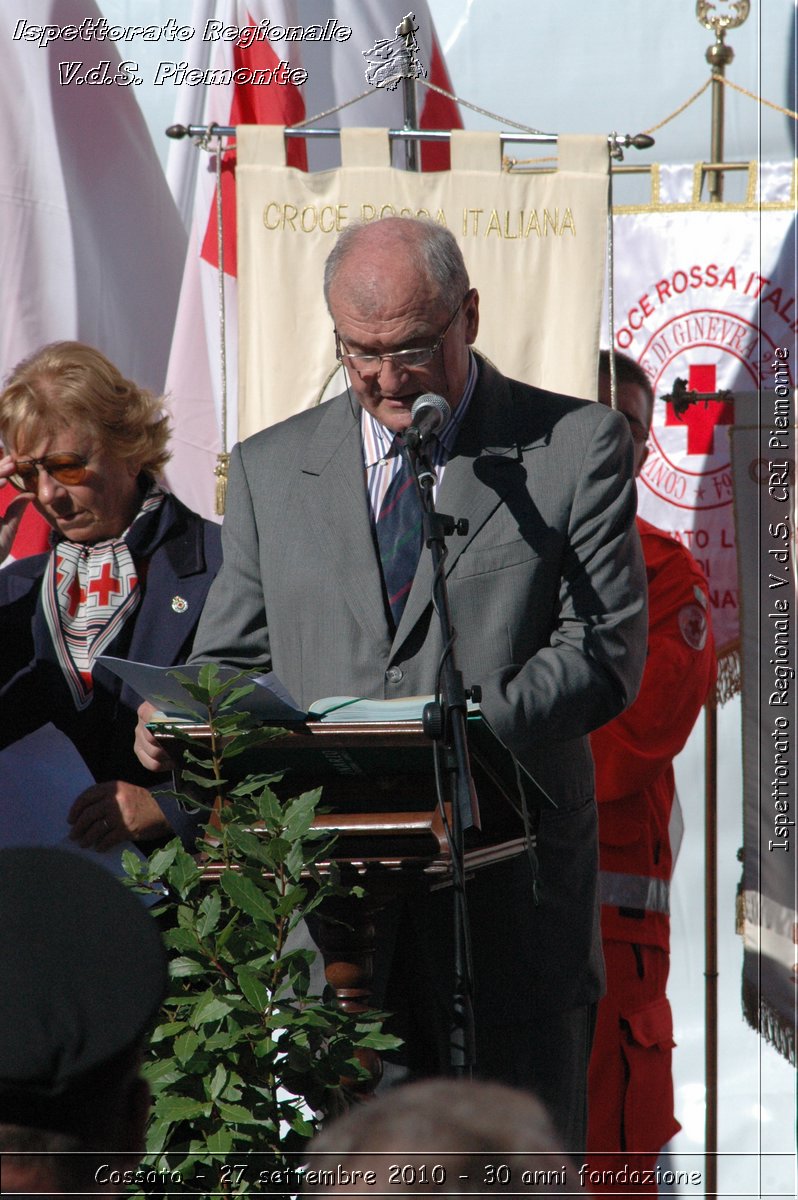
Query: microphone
[{"x": 429, "y": 414}]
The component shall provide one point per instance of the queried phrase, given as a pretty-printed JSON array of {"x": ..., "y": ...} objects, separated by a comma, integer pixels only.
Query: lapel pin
[{"x": 179, "y": 605}]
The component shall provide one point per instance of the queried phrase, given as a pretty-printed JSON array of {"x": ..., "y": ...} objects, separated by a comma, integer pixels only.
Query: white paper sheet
[{"x": 40, "y": 776}]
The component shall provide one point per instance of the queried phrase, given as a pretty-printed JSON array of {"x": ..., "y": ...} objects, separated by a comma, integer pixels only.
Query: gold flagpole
[{"x": 718, "y": 55}]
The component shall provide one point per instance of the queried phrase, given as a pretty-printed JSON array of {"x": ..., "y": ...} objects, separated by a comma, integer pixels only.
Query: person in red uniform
[{"x": 630, "y": 1086}]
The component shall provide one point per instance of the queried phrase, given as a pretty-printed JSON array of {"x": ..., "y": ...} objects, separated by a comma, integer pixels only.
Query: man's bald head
[{"x": 364, "y": 256}]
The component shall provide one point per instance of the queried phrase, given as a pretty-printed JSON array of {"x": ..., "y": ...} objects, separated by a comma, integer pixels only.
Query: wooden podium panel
[
  {"x": 378, "y": 787},
  {"x": 379, "y": 790}
]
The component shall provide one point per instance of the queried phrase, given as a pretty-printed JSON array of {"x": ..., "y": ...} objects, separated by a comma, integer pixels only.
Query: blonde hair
[{"x": 70, "y": 384}]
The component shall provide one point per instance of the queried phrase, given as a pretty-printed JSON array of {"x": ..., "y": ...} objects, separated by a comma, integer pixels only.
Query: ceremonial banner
[
  {"x": 704, "y": 294},
  {"x": 266, "y": 62},
  {"x": 763, "y": 470},
  {"x": 533, "y": 244}
]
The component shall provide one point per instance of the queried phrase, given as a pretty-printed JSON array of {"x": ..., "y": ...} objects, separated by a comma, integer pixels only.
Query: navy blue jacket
[{"x": 33, "y": 691}]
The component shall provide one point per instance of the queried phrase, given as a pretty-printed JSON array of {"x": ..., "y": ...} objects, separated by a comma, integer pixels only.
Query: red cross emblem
[
  {"x": 105, "y": 586},
  {"x": 700, "y": 419},
  {"x": 74, "y": 593}
]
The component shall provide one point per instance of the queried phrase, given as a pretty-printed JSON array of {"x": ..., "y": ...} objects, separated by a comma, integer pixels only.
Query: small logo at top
[{"x": 392, "y": 59}]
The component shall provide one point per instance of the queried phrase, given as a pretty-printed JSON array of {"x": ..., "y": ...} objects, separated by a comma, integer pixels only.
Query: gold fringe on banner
[
  {"x": 221, "y": 471},
  {"x": 768, "y": 1023}
]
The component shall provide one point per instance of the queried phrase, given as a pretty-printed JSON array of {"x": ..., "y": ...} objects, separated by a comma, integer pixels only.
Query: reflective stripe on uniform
[{"x": 634, "y": 891}]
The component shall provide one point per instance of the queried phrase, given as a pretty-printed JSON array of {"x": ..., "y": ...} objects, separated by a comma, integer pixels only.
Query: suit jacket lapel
[
  {"x": 176, "y": 587},
  {"x": 336, "y": 503},
  {"x": 477, "y": 477}
]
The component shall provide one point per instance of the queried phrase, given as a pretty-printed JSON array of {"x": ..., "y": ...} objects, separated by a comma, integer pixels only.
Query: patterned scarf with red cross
[{"x": 88, "y": 593}]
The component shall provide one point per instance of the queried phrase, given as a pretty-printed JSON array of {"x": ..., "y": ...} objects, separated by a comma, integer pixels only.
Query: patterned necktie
[{"x": 399, "y": 535}]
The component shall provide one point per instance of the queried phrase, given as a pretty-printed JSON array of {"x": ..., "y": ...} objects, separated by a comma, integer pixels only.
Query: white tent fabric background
[
  {"x": 91, "y": 242},
  {"x": 592, "y": 65}
]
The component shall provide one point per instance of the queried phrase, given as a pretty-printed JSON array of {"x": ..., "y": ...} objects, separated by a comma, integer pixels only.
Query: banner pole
[
  {"x": 711, "y": 948},
  {"x": 718, "y": 55},
  {"x": 407, "y": 30}
]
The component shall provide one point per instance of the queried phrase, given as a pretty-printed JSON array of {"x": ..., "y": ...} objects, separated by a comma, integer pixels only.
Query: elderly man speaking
[{"x": 547, "y": 594}]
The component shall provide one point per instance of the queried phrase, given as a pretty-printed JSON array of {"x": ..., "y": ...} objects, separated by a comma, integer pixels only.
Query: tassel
[{"x": 220, "y": 471}]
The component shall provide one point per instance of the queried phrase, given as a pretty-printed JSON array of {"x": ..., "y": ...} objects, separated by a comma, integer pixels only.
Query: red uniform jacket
[{"x": 635, "y": 752}]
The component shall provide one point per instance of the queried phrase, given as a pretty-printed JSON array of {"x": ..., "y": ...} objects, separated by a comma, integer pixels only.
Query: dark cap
[{"x": 83, "y": 970}]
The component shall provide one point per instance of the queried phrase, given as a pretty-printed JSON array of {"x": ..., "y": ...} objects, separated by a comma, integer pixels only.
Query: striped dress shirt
[{"x": 380, "y": 452}]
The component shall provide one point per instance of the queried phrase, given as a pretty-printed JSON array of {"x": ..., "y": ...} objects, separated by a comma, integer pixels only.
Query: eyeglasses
[
  {"x": 63, "y": 468},
  {"x": 403, "y": 360}
]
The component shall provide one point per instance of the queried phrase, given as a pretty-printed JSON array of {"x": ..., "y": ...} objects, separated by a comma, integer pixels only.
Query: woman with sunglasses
[{"x": 127, "y": 574}]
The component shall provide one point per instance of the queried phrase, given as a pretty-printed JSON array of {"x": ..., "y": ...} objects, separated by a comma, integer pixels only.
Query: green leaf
[
  {"x": 247, "y": 896},
  {"x": 184, "y": 874},
  {"x": 210, "y": 1008},
  {"x": 185, "y": 1045},
  {"x": 220, "y": 1141},
  {"x": 208, "y": 677},
  {"x": 210, "y": 909},
  {"x": 269, "y": 808},
  {"x": 379, "y": 1041},
  {"x": 295, "y": 860},
  {"x": 158, "y": 1134},
  {"x": 293, "y": 898},
  {"x": 203, "y": 781},
  {"x": 181, "y": 937},
  {"x": 300, "y": 813},
  {"x": 246, "y": 843},
  {"x": 237, "y": 1114},
  {"x": 218, "y": 1081},
  {"x": 166, "y": 1031},
  {"x": 253, "y": 988},
  {"x": 133, "y": 865},
  {"x": 161, "y": 859},
  {"x": 180, "y": 1108},
  {"x": 161, "y": 1074},
  {"x": 255, "y": 785},
  {"x": 181, "y": 967},
  {"x": 238, "y": 693}
]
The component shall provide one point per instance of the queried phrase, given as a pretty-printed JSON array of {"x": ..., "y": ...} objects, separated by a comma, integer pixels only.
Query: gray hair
[{"x": 432, "y": 247}]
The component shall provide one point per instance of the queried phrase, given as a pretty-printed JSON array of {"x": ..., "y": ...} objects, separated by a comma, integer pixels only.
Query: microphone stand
[{"x": 445, "y": 722}]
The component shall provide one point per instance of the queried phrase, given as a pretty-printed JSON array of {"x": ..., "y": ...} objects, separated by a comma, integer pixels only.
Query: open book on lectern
[{"x": 343, "y": 736}]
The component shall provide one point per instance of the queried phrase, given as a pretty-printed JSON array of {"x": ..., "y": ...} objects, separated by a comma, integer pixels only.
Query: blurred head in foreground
[
  {"x": 449, "y": 1136},
  {"x": 84, "y": 973}
]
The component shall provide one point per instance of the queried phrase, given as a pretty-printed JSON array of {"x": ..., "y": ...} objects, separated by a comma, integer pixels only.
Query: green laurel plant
[{"x": 244, "y": 1057}]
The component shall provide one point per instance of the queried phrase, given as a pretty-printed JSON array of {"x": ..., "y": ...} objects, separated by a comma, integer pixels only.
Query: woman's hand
[
  {"x": 148, "y": 752},
  {"x": 9, "y": 522},
  {"x": 115, "y": 811}
]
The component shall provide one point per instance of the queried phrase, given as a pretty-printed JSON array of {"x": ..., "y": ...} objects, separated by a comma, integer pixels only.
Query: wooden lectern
[{"x": 390, "y": 833}]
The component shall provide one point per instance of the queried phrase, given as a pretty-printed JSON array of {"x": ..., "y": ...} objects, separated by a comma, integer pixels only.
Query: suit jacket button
[{"x": 394, "y": 675}]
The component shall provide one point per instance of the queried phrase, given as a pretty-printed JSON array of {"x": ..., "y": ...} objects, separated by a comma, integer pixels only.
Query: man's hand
[
  {"x": 109, "y": 813},
  {"x": 148, "y": 752}
]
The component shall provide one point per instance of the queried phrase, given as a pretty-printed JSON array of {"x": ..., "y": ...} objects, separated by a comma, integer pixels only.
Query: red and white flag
[
  {"x": 317, "y": 61},
  {"x": 91, "y": 242}
]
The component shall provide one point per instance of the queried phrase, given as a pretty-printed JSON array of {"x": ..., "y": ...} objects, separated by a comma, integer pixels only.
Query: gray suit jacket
[{"x": 547, "y": 595}]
